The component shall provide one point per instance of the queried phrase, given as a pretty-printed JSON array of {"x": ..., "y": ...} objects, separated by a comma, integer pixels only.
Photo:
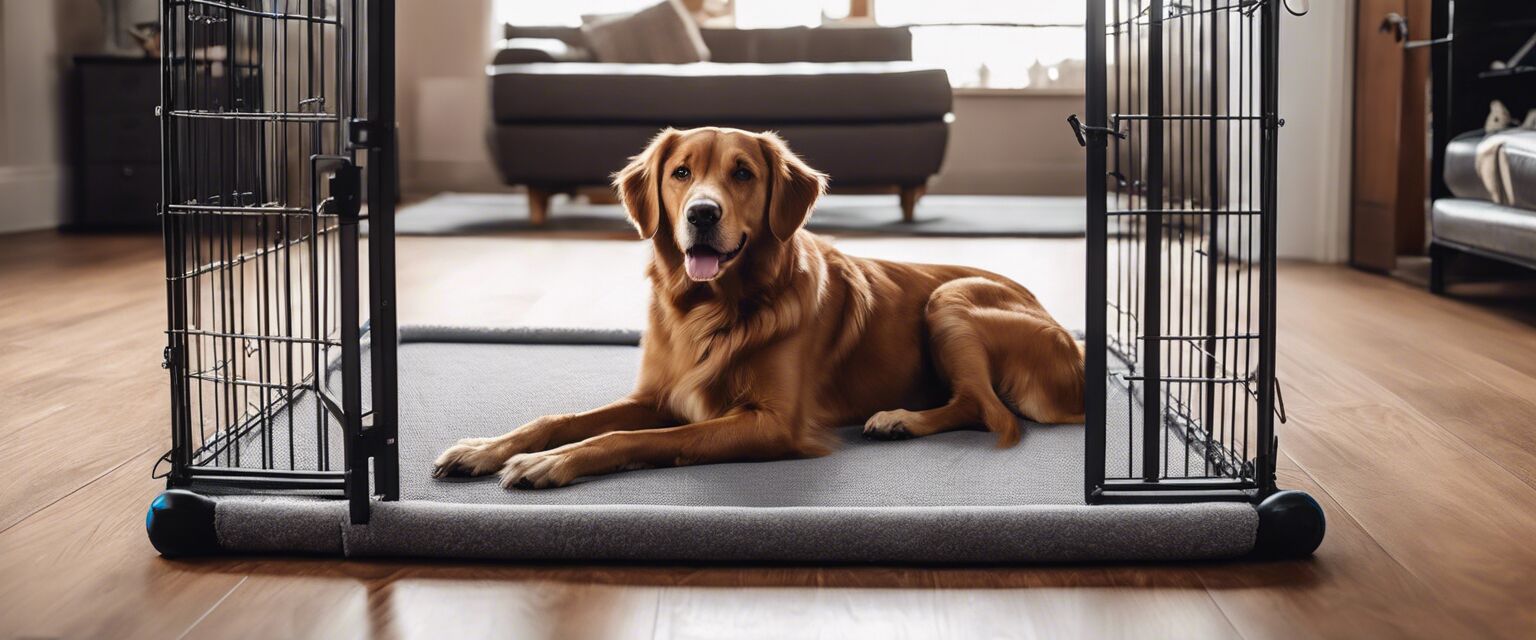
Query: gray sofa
[
  {"x": 1500, "y": 226},
  {"x": 848, "y": 100}
]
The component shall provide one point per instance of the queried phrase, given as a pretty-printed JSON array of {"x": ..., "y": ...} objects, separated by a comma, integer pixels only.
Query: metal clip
[
  {"x": 1279, "y": 401},
  {"x": 165, "y": 358},
  {"x": 1082, "y": 131}
]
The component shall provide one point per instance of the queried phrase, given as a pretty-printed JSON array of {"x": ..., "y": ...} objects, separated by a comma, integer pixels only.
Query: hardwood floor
[{"x": 1412, "y": 419}]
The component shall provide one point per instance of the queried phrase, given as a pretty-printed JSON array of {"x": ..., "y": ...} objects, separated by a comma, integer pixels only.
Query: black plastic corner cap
[
  {"x": 1291, "y": 525},
  {"x": 180, "y": 524}
]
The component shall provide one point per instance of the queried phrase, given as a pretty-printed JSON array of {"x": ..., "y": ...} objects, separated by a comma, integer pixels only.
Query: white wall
[
  {"x": 1316, "y": 101},
  {"x": 443, "y": 95},
  {"x": 1012, "y": 143},
  {"x": 31, "y": 173},
  {"x": 36, "y": 41}
]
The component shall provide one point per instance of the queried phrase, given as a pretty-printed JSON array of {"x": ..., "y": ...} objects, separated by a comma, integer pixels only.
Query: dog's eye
[
  {"x": 681, "y": 173},
  {"x": 741, "y": 175}
]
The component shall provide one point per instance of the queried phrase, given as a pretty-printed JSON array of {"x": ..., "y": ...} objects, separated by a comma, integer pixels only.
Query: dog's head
[{"x": 713, "y": 194}]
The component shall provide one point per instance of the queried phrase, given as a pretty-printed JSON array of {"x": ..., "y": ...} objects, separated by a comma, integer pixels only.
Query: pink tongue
[{"x": 702, "y": 265}]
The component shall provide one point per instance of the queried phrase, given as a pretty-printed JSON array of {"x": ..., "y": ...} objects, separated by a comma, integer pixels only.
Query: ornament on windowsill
[
  {"x": 148, "y": 36},
  {"x": 121, "y": 39}
]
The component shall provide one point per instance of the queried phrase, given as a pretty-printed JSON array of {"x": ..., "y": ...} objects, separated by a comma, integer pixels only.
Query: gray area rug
[
  {"x": 451, "y": 214},
  {"x": 953, "y": 497}
]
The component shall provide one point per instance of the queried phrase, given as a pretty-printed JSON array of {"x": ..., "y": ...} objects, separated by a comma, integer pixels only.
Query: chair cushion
[
  {"x": 1479, "y": 224},
  {"x": 715, "y": 93},
  {"x": 661, "y": 33},
  {"x": 1518, "y": 151}
]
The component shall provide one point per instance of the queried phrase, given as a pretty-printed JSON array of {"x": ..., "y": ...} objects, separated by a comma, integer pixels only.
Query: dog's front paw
[
  {"x": 470, "y": 457},
  {"x": 540, "y": 470},
  {"x": 889, "y": 425}
]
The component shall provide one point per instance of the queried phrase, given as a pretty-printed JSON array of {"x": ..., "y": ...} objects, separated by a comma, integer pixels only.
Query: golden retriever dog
[{"x": 762, "y": 336}]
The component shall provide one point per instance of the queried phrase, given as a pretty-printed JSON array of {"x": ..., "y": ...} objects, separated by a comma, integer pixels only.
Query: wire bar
[
  {"x": 251, "y": 336},
  {"x": 236, "y": 7},
  {"x": 1181, "y": 249},
  {"x": 262, "y": 267},
  {"x": 248, "y": 115},
  {"x": 1176, "y": 117},
  {"x": 209, "y": 209},
  {"x": 1182, "y": 212}
]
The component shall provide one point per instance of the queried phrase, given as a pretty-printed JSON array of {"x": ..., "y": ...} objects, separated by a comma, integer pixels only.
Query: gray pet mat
[
  {"x": 953, "y": 497},
  {"x": 451, "y": 214}
]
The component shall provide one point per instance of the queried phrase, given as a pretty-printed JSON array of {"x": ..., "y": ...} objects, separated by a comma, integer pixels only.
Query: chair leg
[
  {"x": 1439, "y": 261},
  {"x": 538, "y": 205},
  {"x": 909, "y": 197}
]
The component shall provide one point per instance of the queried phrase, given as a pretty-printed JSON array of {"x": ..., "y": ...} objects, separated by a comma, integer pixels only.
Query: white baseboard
[{"x": 31, "y": 197}]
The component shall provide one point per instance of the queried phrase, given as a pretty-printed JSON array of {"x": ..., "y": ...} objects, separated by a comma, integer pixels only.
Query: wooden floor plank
[
  {"x": 1351, "y": 589},
  {"x": 1148, "y": 602},
  {"x": 1460, "y": 381},
  {"x": 1432, "y": 501},
  {"x": 83, "y": 568},
  {"x": 81, "y": 323}
]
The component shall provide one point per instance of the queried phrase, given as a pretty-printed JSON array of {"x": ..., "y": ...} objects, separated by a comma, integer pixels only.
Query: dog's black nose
[{"x": 703, "y": 214}]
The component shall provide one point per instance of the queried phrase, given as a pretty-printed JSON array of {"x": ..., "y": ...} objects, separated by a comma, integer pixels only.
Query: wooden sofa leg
[
  {"x": 1439, "y": 260},
  {"x": 909, "y": 198},
  {"x": 538, "y": 205}
]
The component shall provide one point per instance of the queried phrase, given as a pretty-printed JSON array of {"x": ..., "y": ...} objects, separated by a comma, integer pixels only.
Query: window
[
  {"x": 559, "y": 13},
  {"x": 986, "y": 44},
  {"x": 768, "y": 14},
  {"x": 983, "y": 44}
]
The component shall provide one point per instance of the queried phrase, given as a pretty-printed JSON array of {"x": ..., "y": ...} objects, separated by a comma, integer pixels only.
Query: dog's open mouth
[{"x": 703, "y": 261}]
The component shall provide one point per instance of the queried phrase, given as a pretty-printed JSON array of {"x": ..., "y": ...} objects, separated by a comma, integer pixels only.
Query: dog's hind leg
[
  {"x": 960, "y": 354},
  {"x": 1002, "y": 355}
]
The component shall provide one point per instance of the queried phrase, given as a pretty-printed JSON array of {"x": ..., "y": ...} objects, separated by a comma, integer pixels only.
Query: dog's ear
[
  {"x": 639, "y": 183},
  {"x": 793, "y": 187}
]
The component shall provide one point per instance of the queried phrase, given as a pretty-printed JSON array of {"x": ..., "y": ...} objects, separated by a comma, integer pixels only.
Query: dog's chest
[
  {"x": 693, "y": 404},
  {"x": 715, "y": 383},
  {"x": 715, "y": 357}
]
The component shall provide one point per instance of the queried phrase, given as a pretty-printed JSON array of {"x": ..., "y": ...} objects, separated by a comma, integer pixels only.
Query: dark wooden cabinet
[{"x": 114, "y": 143}]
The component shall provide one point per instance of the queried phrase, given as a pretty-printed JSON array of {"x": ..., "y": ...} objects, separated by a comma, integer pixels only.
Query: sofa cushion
[
  {"x": 1479, "y": 224},
  {"x": 524, "y": 50},
  {"x": 712, "y": 93},
  {"x": 803, "y": 44},
  {"x": 787, "y": 44},
  {"x": 577, "y": 154},
  {"x": 661, "y": 33}
]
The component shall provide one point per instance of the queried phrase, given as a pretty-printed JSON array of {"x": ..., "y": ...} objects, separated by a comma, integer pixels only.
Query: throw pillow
[{"x": 661, "y": 33}]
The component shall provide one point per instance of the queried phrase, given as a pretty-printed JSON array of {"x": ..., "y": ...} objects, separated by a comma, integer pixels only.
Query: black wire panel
[
  {"x": 1181, "y": 249},
  {"x": 252, "y": 91}
]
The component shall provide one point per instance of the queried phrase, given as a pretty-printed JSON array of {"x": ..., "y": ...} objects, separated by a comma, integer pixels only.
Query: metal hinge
[
  {"x": 165, "y": 358},
  {"x": 1082, "y": 131},
  {"x": 366, "y": 134}
]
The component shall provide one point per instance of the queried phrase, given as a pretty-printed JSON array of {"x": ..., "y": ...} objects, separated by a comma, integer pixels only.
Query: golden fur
[{"x": 791, "y": 337}]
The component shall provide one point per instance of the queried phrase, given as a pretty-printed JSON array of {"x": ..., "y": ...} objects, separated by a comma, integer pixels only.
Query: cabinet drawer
[
  {"x": 121, "y": 139},
  {"x": 119, "y": 89},
  {"x": 117, "y": 195}
]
